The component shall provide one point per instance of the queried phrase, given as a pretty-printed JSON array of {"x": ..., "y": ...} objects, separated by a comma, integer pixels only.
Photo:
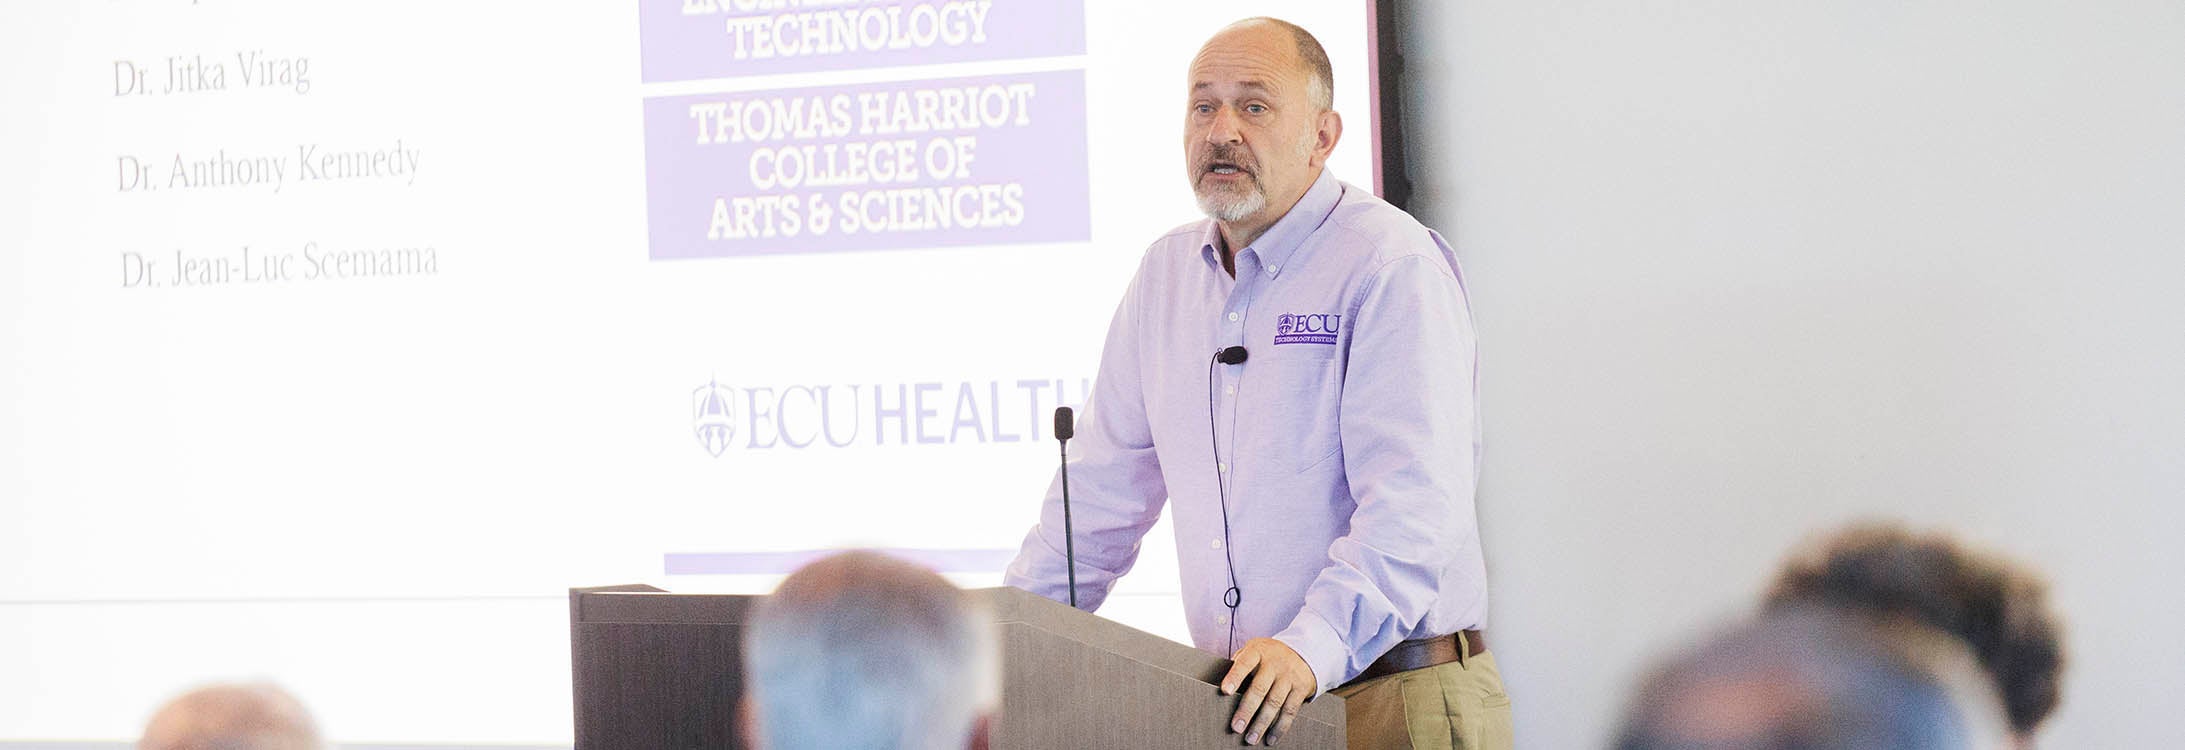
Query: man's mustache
[{"x": 1230, "y": 155}]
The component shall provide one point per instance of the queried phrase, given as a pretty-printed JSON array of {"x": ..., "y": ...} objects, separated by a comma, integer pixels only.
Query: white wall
[{"x": 1745, "y": 271}]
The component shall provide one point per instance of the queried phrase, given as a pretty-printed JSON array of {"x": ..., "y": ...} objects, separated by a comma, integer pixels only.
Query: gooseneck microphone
[{"x": 1065, "y": 428}]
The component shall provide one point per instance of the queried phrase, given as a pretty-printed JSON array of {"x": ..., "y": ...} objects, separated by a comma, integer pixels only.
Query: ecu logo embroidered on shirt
[{"x": 1301, "y": 328}]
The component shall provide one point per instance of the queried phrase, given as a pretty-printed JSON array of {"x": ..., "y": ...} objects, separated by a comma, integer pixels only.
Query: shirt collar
[{"x": 1275, "y": 247}]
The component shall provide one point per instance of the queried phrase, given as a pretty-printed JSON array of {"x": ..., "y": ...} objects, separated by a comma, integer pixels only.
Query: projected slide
[{"x": 345, "y": 338}]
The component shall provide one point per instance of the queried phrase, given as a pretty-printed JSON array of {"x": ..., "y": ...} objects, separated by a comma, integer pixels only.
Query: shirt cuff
[{"x": 1322, "y": 647}]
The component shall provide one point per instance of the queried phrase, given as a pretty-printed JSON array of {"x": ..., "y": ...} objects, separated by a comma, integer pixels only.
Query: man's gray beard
[{"x": 1226, "y": 209}]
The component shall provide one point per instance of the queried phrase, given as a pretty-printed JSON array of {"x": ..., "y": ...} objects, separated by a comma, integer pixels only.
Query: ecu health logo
[{"x": 713, "y": 417}]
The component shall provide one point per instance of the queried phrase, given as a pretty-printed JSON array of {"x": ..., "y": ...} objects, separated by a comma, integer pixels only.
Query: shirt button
[
  {"x": 1221, "y": 619},
  {"x": 1223, "y": 468},
  {"x": 1233, "y": 317},
  {"x": 1230, "y": 390},
  {"x": 1272, "y": 270},
  {"x": 1216, "y": 544}
]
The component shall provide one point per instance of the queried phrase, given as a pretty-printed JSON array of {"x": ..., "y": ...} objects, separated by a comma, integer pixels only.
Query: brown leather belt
[{"x": 1423, "y": 653}]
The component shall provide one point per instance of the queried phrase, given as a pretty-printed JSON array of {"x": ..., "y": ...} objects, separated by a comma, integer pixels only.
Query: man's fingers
[
  {"x": 1267, "y": 713},
  {"x": 1275, "y": 682},
  {"x": 1254, "y": 696},
  {"x": 1247, "y": 660},
  {"x": 1289, "y": 714}
]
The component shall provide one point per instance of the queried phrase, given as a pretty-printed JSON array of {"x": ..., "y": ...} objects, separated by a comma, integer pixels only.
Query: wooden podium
[{"x": 660, "y": 670}]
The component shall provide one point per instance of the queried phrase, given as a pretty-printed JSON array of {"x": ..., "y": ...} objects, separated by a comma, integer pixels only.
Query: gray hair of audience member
[
  {"x": 861, "y": 651},
  {"x": 252, "y": 716},
  {"x": 1818, "y": 679}
]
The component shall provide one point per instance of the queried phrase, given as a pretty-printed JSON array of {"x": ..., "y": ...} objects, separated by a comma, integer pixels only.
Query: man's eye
[
  {"x": 1202, "y": 108},
  {"x": 1255, "y": 108}
]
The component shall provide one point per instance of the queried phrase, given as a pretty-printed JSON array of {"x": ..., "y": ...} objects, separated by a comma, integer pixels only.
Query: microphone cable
[{"x": 1234, "y": 596}]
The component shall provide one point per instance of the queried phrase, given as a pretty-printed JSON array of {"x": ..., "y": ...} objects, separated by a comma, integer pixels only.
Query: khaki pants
[{"x": 1455, "y": 706}]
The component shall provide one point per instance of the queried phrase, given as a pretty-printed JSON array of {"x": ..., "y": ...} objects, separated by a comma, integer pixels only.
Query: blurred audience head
[
  {"x": 860, "y": 651},
  {"x": 1817, "y": 679},
  {"x": 232, "y": 717},
  {"x": 1998, "y": 609}
]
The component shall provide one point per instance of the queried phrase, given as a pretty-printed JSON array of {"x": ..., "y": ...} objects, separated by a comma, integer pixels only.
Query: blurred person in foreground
[
  {"x": 1815, "y": 678},
  {"x": 861, "y": 651},
  {"x": 1999, "y": 609},
  {"x": 255, "y": 716}
]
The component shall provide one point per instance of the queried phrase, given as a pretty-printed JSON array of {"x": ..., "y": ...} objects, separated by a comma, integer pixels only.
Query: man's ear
[
  {"x": 982, "y": 730},
  {"x": 1327, "y": 131}
]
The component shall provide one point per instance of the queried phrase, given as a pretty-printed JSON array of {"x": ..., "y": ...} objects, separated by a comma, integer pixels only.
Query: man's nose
[{"x": 1223, "y": 127}]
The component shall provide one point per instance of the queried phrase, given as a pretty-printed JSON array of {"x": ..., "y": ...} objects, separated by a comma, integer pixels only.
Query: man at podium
[{"x": 1294, "y": 376}]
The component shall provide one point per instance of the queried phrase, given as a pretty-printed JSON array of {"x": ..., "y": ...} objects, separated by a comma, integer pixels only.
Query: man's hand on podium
[{"x": 1281, "y": 681}]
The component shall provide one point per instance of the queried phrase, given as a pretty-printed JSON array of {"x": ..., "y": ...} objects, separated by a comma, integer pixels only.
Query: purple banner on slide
[
  {"x": 916, "y": 164},
  {"x": 698, "y": 39}
]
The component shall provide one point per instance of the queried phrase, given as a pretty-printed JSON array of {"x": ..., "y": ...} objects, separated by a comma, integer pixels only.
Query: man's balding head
[
  {"x": 1312, "y": 59},
  {"x": 232, "y": 717}
]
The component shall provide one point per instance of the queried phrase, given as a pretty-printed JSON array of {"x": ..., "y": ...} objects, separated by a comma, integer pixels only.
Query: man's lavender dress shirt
[{"x": 1348, "y": 440}]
